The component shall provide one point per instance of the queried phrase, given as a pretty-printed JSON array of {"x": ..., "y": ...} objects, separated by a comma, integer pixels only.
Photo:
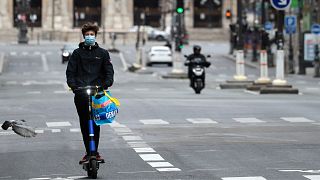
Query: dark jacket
[
  {"x": 194, "y": 59},
  {"x": 89, "y": 65}
]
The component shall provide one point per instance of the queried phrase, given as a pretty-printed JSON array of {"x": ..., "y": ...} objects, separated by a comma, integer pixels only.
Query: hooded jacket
[{"x": 89, "y": 66}]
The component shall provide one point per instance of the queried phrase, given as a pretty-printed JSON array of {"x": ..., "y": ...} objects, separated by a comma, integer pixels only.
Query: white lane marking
[
  {"x": 296, "y": 119},
  {"x": 36, "y": 53},
  {"x": 153, "y": 121},
  {"x": 252, "y": 92},
  {"x": 312, "y": 177},
  {"x": 135, "y": 172},
  {"x": 312, "y": 89},
  {"x": 201, "y": 121},
  {"x": 144, "y": 150},
  {"x": 75, "y": 130},
  {"x": 34, "y": 92},
  {"x": 76, "y": 177},
  {"x": 151, "y": 157},
  {"x": 44, "y": 63},
  {"x": 122, "y": 130},
  {"x": 13, "y": 53},
  {"x": 141, "y": 89},
  {"x": 55, "y": 130},
  {"x": 48, "y": 52},
  {"x": 248, "y": 120},
  {"x": 25, "y": 53},
  {"x": 123, "y": 61},
  {"x": 138, "y": 144},
  {"x": 6, "y": 133},
  {"x": 116, "y": 124},
  {"x": 245, "y": 178},
  {"x": 132, "y": 138},
  {"x": 160, "y": 164},
  {"x": 11, "y": 82},
  {"x": 39, "y": 131},
  {"x": 61, "y": 92},
  {"x": 58, "y": 124},
  {"x": 168, "y": 169}
]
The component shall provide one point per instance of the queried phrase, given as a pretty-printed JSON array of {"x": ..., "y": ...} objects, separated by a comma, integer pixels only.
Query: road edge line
[{"x": 123, "y": 61}]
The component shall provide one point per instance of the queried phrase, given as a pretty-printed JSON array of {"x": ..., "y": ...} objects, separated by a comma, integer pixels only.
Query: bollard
[
  {"x": 279, "y": 81},
  {"x": 264, "y": 79},
  {"x": 240, "y": 72},
  {"x": 316, "y": 61},
  {"x": 177, "y": 66}
]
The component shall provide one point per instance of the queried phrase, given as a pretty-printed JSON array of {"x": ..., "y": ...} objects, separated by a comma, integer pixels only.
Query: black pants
[{"x": 81, "y": 102}]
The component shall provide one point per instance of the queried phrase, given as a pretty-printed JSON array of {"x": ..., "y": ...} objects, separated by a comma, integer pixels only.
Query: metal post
[
  {"x": 302, "y": 69},
  {"x": 316, "y": 61}
]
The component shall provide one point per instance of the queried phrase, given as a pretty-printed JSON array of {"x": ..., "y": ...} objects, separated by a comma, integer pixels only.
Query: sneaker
[
  {"x": 84, "y": 159},
  {"x": 99, "y": 158}
]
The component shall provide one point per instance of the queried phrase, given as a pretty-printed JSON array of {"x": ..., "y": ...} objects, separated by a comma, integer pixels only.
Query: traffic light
[
  {"x": 180, "y": 6},
  {"x": 228, "y": 14}
]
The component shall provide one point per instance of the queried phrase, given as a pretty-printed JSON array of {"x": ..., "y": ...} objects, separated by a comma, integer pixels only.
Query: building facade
[{"x": 62, "y": 17}]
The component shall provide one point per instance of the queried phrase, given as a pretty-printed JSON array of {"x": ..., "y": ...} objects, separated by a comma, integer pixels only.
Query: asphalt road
[{"x": 164, "y": 130}]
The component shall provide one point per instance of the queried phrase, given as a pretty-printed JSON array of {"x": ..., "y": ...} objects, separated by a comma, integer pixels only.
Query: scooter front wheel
[{"x": 93, "y": 169}]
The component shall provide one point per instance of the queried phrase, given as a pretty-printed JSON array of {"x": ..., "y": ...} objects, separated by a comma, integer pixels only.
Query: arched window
[
  {"x": 207, "y": 13},
  {"x": 151, "y": 11},
  {"x": 86, "y": 11},
  {"x": 29, "y": 11}
]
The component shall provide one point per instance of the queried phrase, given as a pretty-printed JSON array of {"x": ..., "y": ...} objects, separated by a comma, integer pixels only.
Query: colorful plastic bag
[{"x": 104, "y": 108}]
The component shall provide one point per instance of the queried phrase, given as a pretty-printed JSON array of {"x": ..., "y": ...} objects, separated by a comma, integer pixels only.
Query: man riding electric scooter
[{"x": 89, "y": 65}]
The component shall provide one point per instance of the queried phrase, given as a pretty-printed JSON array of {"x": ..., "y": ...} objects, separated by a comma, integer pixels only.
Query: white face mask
[{"x": 89, "y": 40}]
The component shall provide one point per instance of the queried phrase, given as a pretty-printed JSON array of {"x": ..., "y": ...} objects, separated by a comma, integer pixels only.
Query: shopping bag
[{"x": 104, "y": 108}]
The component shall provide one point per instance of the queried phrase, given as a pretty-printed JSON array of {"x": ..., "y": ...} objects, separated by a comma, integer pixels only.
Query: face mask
[{"x": 89, "y": 40}]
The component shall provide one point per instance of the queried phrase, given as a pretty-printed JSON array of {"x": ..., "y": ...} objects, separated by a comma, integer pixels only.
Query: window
[
  {"x": 86, "y": 11},
  {"x": 207, "y": 13},
  {"x": 27, "y": 10},
  {"x": 151, "y": 10}
]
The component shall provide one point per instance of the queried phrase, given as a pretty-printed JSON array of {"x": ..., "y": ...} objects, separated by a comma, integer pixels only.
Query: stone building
[{"x": 60, "y": 19}]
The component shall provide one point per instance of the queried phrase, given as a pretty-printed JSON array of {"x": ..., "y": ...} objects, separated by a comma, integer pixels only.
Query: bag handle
[{"x": 114, "y": 100}]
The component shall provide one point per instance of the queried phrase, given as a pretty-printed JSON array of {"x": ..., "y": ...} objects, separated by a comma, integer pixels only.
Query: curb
[{"x": 1, "y": 62}]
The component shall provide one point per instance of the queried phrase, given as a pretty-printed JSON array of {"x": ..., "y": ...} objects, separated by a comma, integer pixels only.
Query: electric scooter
[{"x": 92, "y": 164}]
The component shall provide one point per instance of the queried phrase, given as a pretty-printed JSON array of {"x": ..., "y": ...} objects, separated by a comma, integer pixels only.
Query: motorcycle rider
[{"x": 196, "y": 58}]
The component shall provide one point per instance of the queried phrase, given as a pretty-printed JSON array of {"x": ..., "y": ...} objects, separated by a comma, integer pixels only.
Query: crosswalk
[
  {"x": 32, "y": 53},
  {"x": 243, "y": 120},
  {"x": 159, "y": 165},
  {"x": 59, "y": 127},
  {"x": 310, "y": 177}
]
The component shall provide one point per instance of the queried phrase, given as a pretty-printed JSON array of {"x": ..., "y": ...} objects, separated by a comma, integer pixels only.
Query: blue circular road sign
[
  {"x": 280, "y": 4},
  {"x": 315, "y": 28},
  {"x": 268, "y": 26}
]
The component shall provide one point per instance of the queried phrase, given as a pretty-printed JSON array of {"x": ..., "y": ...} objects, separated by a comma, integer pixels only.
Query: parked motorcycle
[{"x": 197, "y": 74}]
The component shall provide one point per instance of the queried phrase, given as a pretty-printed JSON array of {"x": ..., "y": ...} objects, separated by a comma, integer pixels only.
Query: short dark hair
[{"x": 89, "y": 27}]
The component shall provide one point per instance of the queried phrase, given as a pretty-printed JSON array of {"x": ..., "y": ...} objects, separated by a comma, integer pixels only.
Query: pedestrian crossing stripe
[
  {"x": 296, "y": 119},
  {"x": 312, "y": 177},
  {"x": 58, "y": 124},
  {"x": 248, "y": 120},
  {"x": 153, "y": 121},
  {"x": 245, "y": 178},
  {"x": 201, "y": 121}
]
